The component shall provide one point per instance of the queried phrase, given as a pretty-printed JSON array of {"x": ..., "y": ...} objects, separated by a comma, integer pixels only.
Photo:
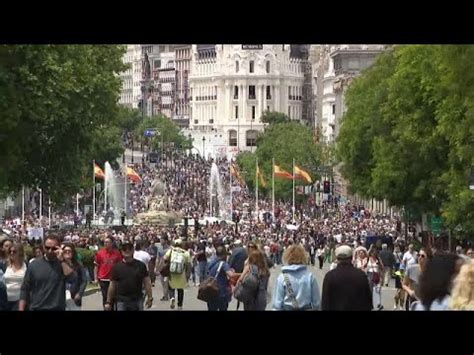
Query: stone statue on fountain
[{"x": 157, "y": 212}]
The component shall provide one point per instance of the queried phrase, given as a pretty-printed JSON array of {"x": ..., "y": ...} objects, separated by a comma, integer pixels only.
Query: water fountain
[
  {"x": 113, "y": 196},
  {"x": 219, "y": 204}
]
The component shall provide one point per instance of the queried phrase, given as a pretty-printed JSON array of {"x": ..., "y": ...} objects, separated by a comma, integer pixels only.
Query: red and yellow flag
[
  {"x": 262, "y": 179},
  {"x": 279, "y": 172},
  {"x": 302, "y": 175},
  {"x": 234, "y": 170},
  {"x": 99, "y": 173},
  {"x": 132, "y": 174}
]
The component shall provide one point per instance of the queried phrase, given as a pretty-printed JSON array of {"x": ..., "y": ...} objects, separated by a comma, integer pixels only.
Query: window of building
[
  {"x": 267, "y": 66},
  {"x": 236, "y": 92},
  {"x": 253, "y": 112},
  {"x": 251, "y": 92},
  {"x": 251, "y": 69},
  {"x": 251, "y": 138},
  {"x": 333, "y": 109},
  {"x": 289, "y": 92},
  {"x": 289, "y": 111},
  {"x": 268, "y": 108},
  {"x": 236, "y": 110},
  {"x": 236, "y": 66},
  {"x": 269, "y": 92},
  {"x": 233, "y": 138}
]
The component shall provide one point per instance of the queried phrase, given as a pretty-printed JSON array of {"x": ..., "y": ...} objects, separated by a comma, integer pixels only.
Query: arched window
[
  {"x": 267, "y": 66},
  {"x": 251, "y": 138},
  {"x": 236, "y": 66},
  {"x": 233, "y": 138}
]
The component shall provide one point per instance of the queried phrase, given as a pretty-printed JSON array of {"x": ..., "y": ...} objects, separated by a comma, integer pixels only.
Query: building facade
[
  {"x": 130, "y": 95},
  {"x": 232, "y": 85}
]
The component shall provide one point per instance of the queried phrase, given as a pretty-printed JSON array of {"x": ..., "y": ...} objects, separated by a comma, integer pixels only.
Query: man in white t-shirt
[
  {"x": 141, "y": 255},
  {"x": 410, "y": 257}
]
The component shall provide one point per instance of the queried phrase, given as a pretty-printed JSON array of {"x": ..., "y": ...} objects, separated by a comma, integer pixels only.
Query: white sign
[
  {"x": 236, "y": 188},
  {"x": 35, "y": 233}
]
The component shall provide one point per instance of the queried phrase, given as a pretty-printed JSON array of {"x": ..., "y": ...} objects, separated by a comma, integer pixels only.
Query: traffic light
[{"x": 327, "y": 187}]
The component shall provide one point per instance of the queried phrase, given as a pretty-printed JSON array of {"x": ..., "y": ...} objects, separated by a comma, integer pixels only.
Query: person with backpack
[
  {"x": 220, "y": 270},
  {"x": 257, "y": 266},
  {"x": 178, "y": 260}
]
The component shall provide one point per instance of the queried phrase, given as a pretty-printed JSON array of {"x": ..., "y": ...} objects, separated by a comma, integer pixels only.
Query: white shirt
[
  {"x": 410, "y": 258},
  {"x": 142, "y": 256},
  {"x": 266, "y": 248},
  {"x": 13, "y": 280}
]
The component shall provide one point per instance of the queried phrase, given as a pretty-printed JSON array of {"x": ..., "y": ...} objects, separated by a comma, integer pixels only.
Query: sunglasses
[
  {"x": 50, "y": 248},
  {"x": 422, "y": 256},
  {"x": 67, "y": 251},
  {"x": 13, "y": 251}
]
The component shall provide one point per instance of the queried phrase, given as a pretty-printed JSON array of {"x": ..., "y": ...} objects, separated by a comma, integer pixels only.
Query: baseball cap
[{"x": 343, "y": 252}]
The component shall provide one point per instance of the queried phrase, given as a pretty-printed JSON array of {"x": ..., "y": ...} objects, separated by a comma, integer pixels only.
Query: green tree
[
  {"x": 272, "y": 117},
  {"x": 167, "y": 132},
  {"x": 407, "y": 133},
  {"x": 58, "y": 104},
  {"x": 283, "y": 142}
]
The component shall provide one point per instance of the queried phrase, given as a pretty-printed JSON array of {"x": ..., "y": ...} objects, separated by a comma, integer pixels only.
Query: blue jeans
[
  {"x": 130, "y": 306},
  {"x": 202, "y": 267},
  {"x": 220, "y": 304}
]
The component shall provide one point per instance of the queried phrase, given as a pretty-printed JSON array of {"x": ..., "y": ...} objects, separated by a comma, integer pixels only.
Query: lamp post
[
  {"x": 204, "y": 147},
  {"x": 471, "y": 182},
  {"x": 190, "y": 142}
]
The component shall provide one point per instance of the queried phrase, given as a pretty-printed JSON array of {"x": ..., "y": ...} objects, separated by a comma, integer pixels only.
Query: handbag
[
  {"x": 165, "y": 268},
  {"x": 208, "y": 290},
  {"x": 246, "y": 290}
]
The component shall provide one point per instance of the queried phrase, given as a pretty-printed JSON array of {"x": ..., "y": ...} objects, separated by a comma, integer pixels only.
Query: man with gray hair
[{"x": 388, "y": 261}]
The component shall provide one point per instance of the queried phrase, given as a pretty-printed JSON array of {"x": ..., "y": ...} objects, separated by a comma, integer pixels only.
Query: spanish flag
[
  {"x": 260, "y": 175},
  {"x": 234, "y": 170},
  {"x": 99, "y": 173},
  {"x": 279, "y": 172},
  {"x": 132, "y": 174},
  {"x": 302, "y": 175}
]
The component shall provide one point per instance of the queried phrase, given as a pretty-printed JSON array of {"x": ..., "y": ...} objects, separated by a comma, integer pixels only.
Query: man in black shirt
[
  {"x": 44, "y": 287},
  {"x": 127, "y": 281},
  {"x": 346, "y": 288}
]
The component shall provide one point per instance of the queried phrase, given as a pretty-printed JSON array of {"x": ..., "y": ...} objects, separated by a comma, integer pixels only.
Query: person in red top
[{"x": 105, "y": 259}]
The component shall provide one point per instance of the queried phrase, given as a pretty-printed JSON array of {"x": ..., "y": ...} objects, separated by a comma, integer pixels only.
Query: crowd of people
[{"x": 364, "y": 251}]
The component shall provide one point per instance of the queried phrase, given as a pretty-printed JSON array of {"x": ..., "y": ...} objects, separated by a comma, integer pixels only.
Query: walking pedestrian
[
  {"x": 128, "y": 279},
  {"x": 346, "y": 287},
  {"x": 179, "y": 260},
  {"x": 14, "y": 275},
  {"x": 105, "y": 260},
  {"x": 320, "y": 255},
  {"x": 462, "y": 295},
  {"x": 77, "y": 286},
  {"x": 412, "y": 276},
  {"x": 296, "y": 287},
  {"x": 374, "y": 268},
  {"x": 257, "y": 265},
  {"x": 221, "y": 271},
  {"x": 44, "y": 285},
  {"x": 388, "y": 261}
]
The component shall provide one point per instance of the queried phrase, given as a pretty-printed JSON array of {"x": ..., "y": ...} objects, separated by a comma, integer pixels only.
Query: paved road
[{"x": 94, "y": 301}]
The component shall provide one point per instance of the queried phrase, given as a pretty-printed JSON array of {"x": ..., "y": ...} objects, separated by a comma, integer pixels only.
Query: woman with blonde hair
[
  {"x": 462, "y": 294},
  {"x": 296, "y": 287},
  {"x": 14, "y": 275}
]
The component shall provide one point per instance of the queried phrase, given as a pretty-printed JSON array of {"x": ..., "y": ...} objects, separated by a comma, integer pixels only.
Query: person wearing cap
[
  {"x": 346, "y": 288},
  {"x": 128, "y": 279}
]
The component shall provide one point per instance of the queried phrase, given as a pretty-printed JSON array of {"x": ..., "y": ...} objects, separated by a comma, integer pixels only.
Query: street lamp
[
  {"x": 471, "y": 183},
  {"x": 190, "y": 142},
  {"x": 203, "y": 147}
]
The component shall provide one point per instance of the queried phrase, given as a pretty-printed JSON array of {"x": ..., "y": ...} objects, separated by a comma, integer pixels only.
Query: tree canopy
[
  {"x": 58, "y": 112},
  {"x": 408, "y": 133}
]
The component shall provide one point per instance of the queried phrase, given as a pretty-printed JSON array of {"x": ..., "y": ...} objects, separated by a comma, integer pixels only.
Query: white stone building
[
  {"x": 131, "y": 91},
  {"x": 232, "y": 85}
]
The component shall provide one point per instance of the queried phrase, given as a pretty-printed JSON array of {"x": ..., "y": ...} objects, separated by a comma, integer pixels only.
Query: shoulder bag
[{"x": 209, "y": 289}]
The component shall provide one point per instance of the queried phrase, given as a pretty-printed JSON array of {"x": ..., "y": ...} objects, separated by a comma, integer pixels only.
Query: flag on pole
[
  {"x": 279, "y": 172},
  {"x": 132, "y": 174},
  {"x": 99, "y": 173},
  {"x": 260, "y": 175},
  {"x": 234, "y": 170},
  {"x": 302, "y": 175}
]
